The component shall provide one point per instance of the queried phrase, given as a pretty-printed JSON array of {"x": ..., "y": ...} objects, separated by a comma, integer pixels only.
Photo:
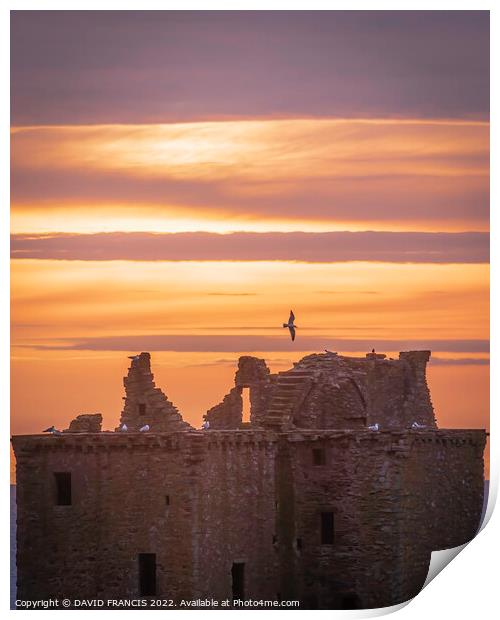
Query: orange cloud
[{"x": 270, "y": 150}]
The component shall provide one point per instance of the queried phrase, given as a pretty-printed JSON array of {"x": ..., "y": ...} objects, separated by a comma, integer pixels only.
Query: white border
[{"x": 467, "y": 587}]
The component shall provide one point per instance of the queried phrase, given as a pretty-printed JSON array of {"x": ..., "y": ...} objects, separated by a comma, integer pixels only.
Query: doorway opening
[
  {"x": 147, "y": 574},
  {"x": 238, "y": 580}
]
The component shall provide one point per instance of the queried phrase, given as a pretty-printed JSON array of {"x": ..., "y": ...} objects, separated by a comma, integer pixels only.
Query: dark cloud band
[
  {"x": 399, "y": 247},
  {"x": 245, "y": 343}
]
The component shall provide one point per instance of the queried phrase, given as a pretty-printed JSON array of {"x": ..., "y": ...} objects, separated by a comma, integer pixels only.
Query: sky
[{"x": 180, "y": 180}]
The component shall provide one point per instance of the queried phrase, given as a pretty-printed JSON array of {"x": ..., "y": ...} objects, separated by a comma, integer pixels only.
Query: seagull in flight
[{"x": 290, "y": 325}]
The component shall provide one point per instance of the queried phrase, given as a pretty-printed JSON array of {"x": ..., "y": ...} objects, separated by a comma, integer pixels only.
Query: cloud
[
  {"x": 232, "y": 294},
  {"x": 464, "y": 361},
  {"x": 242, "y": 343},
  {"x": 400, "y": 247},
  {"x": 138, "y": 66},
  {"x": 299, "y": 169}
]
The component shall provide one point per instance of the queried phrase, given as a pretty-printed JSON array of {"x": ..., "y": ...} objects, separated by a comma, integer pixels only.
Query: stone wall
[
  {"x": 203, "y": 500},
  {"x": 229, "y": 413},
  {"x": 234, "y": 517},
  {"x": 350, "y": 393},
  {"x": 388, "y": 515},
  {"x": 145, "y": 403},
  {"x": 330, "y": 391},
  {"x": 254, "y": 374},
  {"x": 119, "y": 509},
  {"x": 85, "y": 423}
]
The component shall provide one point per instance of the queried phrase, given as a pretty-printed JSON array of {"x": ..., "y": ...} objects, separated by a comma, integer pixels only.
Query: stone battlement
[{"x": 110, "y": 439}]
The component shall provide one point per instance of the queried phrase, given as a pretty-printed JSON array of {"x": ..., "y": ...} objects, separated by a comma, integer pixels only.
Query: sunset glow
[{"x": 360, "y": 146}]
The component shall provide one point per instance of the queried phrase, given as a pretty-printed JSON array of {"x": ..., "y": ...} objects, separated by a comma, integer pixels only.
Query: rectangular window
[
  {"x": 327, "y": 528},
  {"x": 142, "y": 409},
  {"x": 319, "y": 457},
  {"x": 63, "y": 488},
  {"x": 147, "y": 574},
  {"x": 238, "y": 579}
]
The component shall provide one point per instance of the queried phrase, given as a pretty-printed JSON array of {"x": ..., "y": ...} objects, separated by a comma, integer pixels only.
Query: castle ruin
[{"x": 304, "y": 502}]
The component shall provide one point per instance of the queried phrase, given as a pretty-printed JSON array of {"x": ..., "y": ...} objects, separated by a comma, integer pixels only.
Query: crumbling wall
[
  {"x": 227, "y": 414},
  {"x": 418, "y": 405},
  {"x": 352, "y": 393},
  {"x": 254, "y": 374},
  {"x": 85, "y": 423},
  {"x": 145, "y": 403}
]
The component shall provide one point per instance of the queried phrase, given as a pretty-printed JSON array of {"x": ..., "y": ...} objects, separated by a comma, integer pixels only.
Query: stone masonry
[
  {"x": 305, "y": 503},
  {"x": 147, "y": 404},
  {"x": 85, "y": 423}
]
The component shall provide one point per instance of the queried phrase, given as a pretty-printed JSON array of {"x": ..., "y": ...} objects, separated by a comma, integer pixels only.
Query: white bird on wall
[
  {"x": 206, "y": 425},
  {"x": 416, "y": 425},
  {"x": 144, "y": 429},
  {"x": 123, "y": 428},
  {"x": 374, "y": 427},
  {"x": 291, "y": 325}
]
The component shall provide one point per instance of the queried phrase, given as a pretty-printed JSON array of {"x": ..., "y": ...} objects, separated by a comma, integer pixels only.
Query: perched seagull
[
  {"x": 53, "y": 430},
  {"x": 206, "y": 425},
  {"x": 134, "y": 357},
  {"x": 144, "y": 429},
  {"x": 374, "y": 427},
  {"x": 416, "y": 425},
  {"x": 123, "y": 428},
  {"x": 290, "y": 325}
]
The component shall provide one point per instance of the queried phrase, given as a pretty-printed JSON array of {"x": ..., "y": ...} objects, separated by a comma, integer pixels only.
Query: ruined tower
[
  {"x": 145, "y": 404},
  {"x": 307, "y": 502}
]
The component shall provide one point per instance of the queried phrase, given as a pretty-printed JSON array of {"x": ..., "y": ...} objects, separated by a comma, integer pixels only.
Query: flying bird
[
  {"x": 374, "y": 427},
  {"x": 144, "y": 429},
  {"x": 290, "y": 325}
]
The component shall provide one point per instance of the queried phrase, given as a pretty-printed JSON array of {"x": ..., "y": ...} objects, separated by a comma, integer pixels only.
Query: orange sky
[{"x": 75, "y": 321}]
